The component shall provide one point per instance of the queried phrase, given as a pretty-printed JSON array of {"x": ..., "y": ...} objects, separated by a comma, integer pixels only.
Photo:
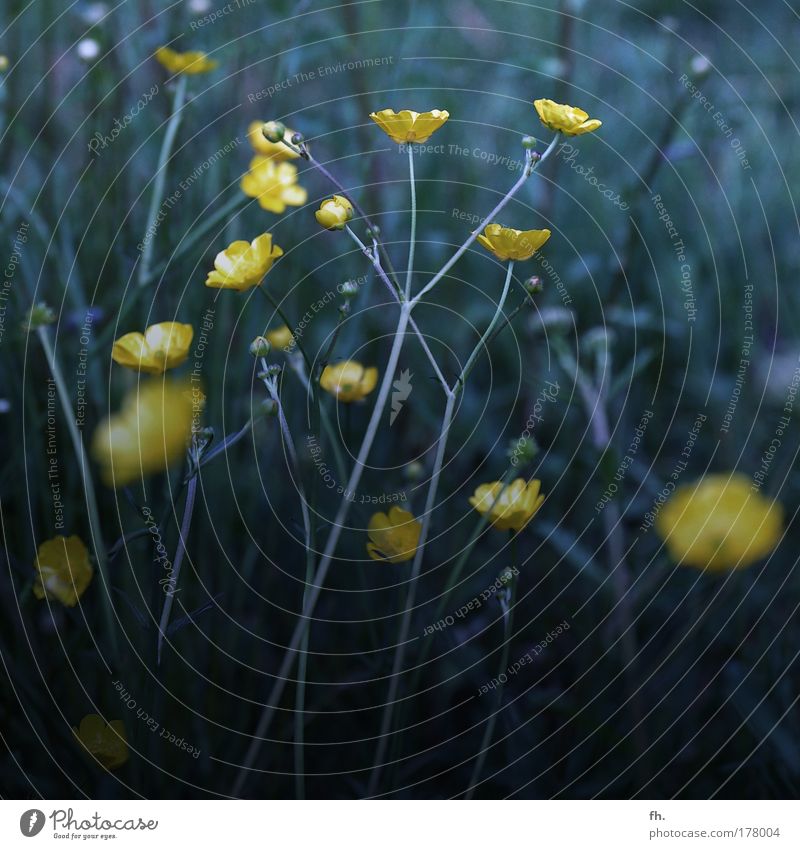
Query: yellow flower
[
  {"x": 148, "y": 433},
  {"x": 510, "y": 507},
  {"x": 4, "y": 63},
  {"x": 565, "y": 119},
  {"x": 719, "y": 523},
  {"x": 394, "y": 537},
  {"x": 280, "y": 337},
  {"x": 348, "y": 380},
  {"x": 273, "y": 150},
  {"x": 190, "y": 62},
  {"x": 243, "y": 265},
  {"x": 334, "y": 213},
  {"x": 407, "y": 126},
  {"x": 161, "y": 347},
  {"x": 104, "y": 741},
  {"x": 63, "y": 570},
  {"x": 507, "y": 243},
  {"x": 273, "y": 183}
]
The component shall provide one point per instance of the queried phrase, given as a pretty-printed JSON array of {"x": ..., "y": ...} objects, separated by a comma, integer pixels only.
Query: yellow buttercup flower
[
  {"x": 243, "y": 265},
  {"x": 63, "y": 570},
  {"x": 506, "y": 243},
  {"x": 334, "y": 213},
  {"x": 393, "y": 537},
  {"x": 719, "y": 523},
  {"x": 190, "y": 62},
  {"x": 509, "y": 507},
  {"x": 273, "y": 183},
  {"x": 565, "y": 119},
  {"x": 273, "y": 150},
  {"x": 162, "y": 346},
  {"x": 147, "y": 435},
  {"x": 4, "y": 63},
  {"x": 105, "y": 741},
  {"x": 348, "y": 380},
  {"x": 280, "y": 337},
  {"x": 409, "y": 127}
]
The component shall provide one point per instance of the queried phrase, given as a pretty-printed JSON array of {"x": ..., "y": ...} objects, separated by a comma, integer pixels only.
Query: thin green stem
[
  {"x": 327, "y": 555},
  {"x": 405, "y": 624},
  {"x": 470, "y": 364},
  {"x": 508, "y": 625},
  {"x": 171, "y": 587},
  {"x": 95, "y": 526},
  {"x": 161, "y": 176},
  {"x": 277, "y": 307},
  {"x": 413, "y": 240}
]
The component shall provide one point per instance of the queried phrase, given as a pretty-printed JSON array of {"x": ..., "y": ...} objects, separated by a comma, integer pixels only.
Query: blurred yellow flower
[
  {"x": 273, "y": 183},
  {"x": 507, "y": 243},
  {"x": 4, "y": 63},
  {"x": 190, "y": 62},
  {"x": 161, "y": 347},
  {"x": 348, "y": 380},
  {"x": 148, "y": 433},
  {"x": 719, "y": 523},
  {"x": 243, "y": 265},
  {"x": 407, "y": 126},
  {"x": 273, "y": 150},
  {"x": 394, "y": 537},
  {"x": 334, "y": 213},
  {"x": 63, "y": 570},
  {"x": 104, "y": 741},
  {"x": 280, "y": 337},
  {"x": 565, "y": 119},
  {"x": 510, "y": 507}
]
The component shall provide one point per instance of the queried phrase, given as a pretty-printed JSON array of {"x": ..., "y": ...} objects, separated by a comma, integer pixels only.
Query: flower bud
[
  {"x": 534, "y": 285},
  {"x": 529, "y": 142},
  {"x": 349, "y": 289},
  {"x": 298, "y": 139},
  {"x": 700, "y": 67},
  {"x": 39, "y": 315},
  {"x": 4, "y": 63},
  {"x": 414, "y": 471},
  {"x": 523, "y": 450},
  {"x": 374, "y": 232},
  {"x": 334, "y": 213},
  {"x": 260, "y": 347},
  {"x": 274, "y": 131}
]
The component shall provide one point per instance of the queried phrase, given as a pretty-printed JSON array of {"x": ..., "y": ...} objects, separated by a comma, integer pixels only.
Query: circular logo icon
[{"x": 31, "y": 822}]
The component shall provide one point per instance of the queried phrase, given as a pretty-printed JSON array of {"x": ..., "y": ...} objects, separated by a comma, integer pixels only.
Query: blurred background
[{"x": 666, "y": 332}]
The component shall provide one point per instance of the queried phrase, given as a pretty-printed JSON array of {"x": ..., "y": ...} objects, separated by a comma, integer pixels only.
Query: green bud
[
  {"x": 39, "y": 316},
  {"x": 534, "y": 286},
  {"x": 260, "y": 347},
  {"x": 298, "y": 139},
  {"x": 529, "y": 142},
  {"x": 349, "y": 289},
  {"x": 374, "y": 232},
  {"x": 274, "y": 131},
  {"x": 414, "y": 471},
  {"x": 269, "y": 407}
]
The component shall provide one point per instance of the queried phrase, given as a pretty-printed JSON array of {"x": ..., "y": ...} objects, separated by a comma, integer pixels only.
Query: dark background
[{"x": 708, "y": 707}]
